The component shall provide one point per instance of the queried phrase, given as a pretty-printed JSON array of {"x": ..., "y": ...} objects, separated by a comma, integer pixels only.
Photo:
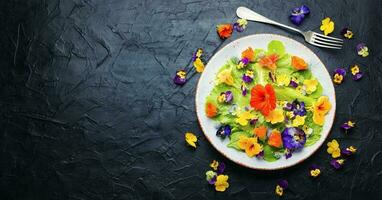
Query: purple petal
[
  {"x": 313, "y": 167},
  {"x": 237, "y": 27},
  {"x": 253, "y": 122},
  {"x": 357, "y": 76},
  {"x": 179, "y": 80},
  {"x": 247, "y": 79},
  {"x": 360, "y": 46},
  {"x": 228, "y": 96},
  {"x": 293, "y": 84},
  {"x": 221, "y": 168},
  {"x": 296, "y": 19},
  {"x": 283, "y": 184},
  {"x": 346, "y": 152},
  {"x": 336, "y": 164},
  {"x": 293, "y": 138},
  {"x": 288, "y": 153},
  {"x": 245, "y": 61},
  {"x": 212, "y": 180},
  {"x": 304, "y": 10},
  {"x": 340, "y": 71},
  {"x": 260, "y": 155}
]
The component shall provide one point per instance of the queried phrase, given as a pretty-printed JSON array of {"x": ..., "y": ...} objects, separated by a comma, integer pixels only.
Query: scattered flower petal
[
  {"x": 269, "y": 61},
  {"x": 225, "y": 76},
  {"x": 180, "y": 77},
  {"x": 327, "y": 26},
  {"x": 349, "y": 151},
  {"x": 211, "y": 177},
  {"x": 240, "y": 25},
  {"x": 211, "y": 110},
  {"x": 348, "y": 125},
  {"x": 260, "y": 132},
  {"x": 362, "y": 50},
  {"x": 275, "y": 139},
  {"x": 191, "y": 139},
  {"x": 356, "y": 72},
  {"x": 339, "y": 75},
  {"x": 334, "y": 149},
  {"x": 224, "y": 30},
  {"x": 199, "y": 65},
  {"x": 244, "y": 117},
  {"x": 221, "y": 168},
  {"x": 225, "y": 97},
  {"x": 275, "y": 116},
  {"x": 314, "y": 171},
  {"x": 310, "y": 86},
  {"x": 242, "y": 63},
  {"x": 243, "y": 89},
  {"x": 283, "y": 80},
  {"x": 221, "y": 183},
  {"x": 347, "y": 33},
  {"x": 249, "y": 54},
  {"x": 337, "y": 163},
  {"x": 214, "y": 165},
  {"x": 248, "y": 76},
  {"x": 299, "y": 63},
  {"x": 298, "y": 14}
]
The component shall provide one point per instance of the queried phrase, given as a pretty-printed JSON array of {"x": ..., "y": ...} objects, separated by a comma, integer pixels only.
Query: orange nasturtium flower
[
  {"x": 260, "y": 132},
  {"x": 320, "y": 108},
  {"x": 250, "y": 145},
  {"x": 299, "y": 63},
  {"x": 275, "y": 139},
  {"x": 211, "y": 110},
  {"x": 269, "y": 61},
  {"x": 224, "y": 30},
  {"x": 263, "y": 98},
  {"x": 249, "y": 54}
]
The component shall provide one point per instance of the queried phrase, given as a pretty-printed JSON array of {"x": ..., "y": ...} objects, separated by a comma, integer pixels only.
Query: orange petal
[
  {"x": 211, "y": 110},
  {"x": 299, "y": 63},
  {"x": 275, "y": 139}
]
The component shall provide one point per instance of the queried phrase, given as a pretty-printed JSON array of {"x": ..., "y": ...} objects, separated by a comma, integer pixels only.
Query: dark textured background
[{"x": 88, "y": 109}]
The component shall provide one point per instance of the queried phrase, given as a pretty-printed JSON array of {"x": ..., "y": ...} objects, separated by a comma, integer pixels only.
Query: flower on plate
[
  {"x": 339, "y": 75},
  {"x": 191, "y": 139},
  {"x": 221, "y": 183},
  {"x": 211, "y": 177},
  {"x": 356, "y": 72},
  {"x": 297, "y": 108},
  {"x": 298, "y": 121},
  {"x": 240, "y": 25},
  {"x": 248, "y": 54},
  {"x": 263, "y": 98},
  {"x": 180, "y": 77},
  {"x": 362, "y": 50},
  {"x": 214, "y": 165},
  {"x": 244, "y": 117},
  {"x": 211, "y": 110},
  {"x": 280, "y": 187},
  {"x": 307, "y": 130},
  {"x": 250, "y": 145},
  {"x": 298, "y": 14},
  {"x": 293, "y": 138},
  {"x": 224, "y": 30},
  {"x": 310, "y": 85},
  {"x": 243, "y": 89},
  {"x": 347, "y": 33},
  {"x": 334, "y": 149},
  {"x": 314, "y": 171},
  {"x": 269, "y": 61},
  {"x": 242, "y": 63},
  {"x": 348, "y": 125},
  {"x": 327, "y": 26},
  {"x": 248, "y": 76},
  {"x": 260, "y": 132},
  {"x": 349, "y": 151},
  {"x": 225, "y": 97},
  {"x": 275, "y": 116},
  {"x": 337, "y": 163},
  {"x": 225, "y": 76},
  {"x": 293, "y": 82},
  {"x": 299, "y": 63},
  {"x": 320, "y": 108},
  {"x": 283, "y": 80},
  {"x": 224, "y": 131},
  {"x": 275, "y": 139}
]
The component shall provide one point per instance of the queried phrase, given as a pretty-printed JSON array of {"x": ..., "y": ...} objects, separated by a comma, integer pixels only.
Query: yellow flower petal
[
  {"x": 327, "y": 26},
  {"x": 298, "y": 121},
  {"x": 275, "y": 116},
  {"x": 214, "y": 165},
  {"x": 199, "y": 65},
  {"x": 279, "y": 190},
  {"x": 244, "y": 117},
  {"x": 225, "y": 76},
  {"x": 191, "y": 139},
  {"x": 310, "y": 85},
  {"x": 221, "y": 183},
  {"x": 283, "y": 80}
]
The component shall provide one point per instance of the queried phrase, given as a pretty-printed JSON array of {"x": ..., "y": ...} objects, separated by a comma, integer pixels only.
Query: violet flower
[
  {"x": 224, "y": 131},
  {"x": 298, "y": 14},
  {"x": 293, "y": 138},
  {"x": 180, "y": 77}
]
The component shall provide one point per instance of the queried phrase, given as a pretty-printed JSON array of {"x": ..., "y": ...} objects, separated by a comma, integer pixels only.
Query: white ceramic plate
[{"x": 206, "y": 84}]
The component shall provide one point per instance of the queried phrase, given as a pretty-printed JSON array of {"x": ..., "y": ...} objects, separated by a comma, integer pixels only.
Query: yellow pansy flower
[
  {"x": 214, "y": 165},
  {"x": 199, "y": 65},
  {"x": 354, "y": 70},
  {"x": 298, "y": 121},
  {"x": 225, "y": 76},
  {"x": 244, "y": 117},
  {"x": 283, "y": 80},
  {"x": 315, "y": 172},
  {"x": 279, "y": 190},
  {"x": 275, "y": 116},
  {"x": 334, "y": 149},
  {"x": 327, "y": 26},
  {"x": 310, "y": 85},
  {"x": 221, "y": 183},
  {"x": 191, "y": 139}
]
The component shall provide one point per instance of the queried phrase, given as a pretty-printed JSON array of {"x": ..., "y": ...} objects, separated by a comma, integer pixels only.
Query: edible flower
[
  {"x": 298, "y": 121},
  {"x": 243, "y": 89},
  {"x": 224, "y": 30},
  {"x": 348, "y": 125},
  {"x": 298, "y": 14},
  {"x": 263, "y": 98},
  {"x": 310, "y": 85},
  {"x": 320, "y": 108},
  {"x": 244, "y": 117},
  {"x": 337, "y": 163},
  {"x": 225, "y": 76},
  {"x": 280, "y": 187},
  {"x": 211, "y": 177},
  {"x": 260, "y": 132},
  {"x": 225, "y": 97},
  {"x": 250, "y": 145},
  {"x": 349, "y": 151},
  {"x": 293, "y": 138},
  {"x": 299, "y": 63},
  {"x": 297, "y": 107},
  {"x": 355, "y": 71},
  {"x": 314, "y": 171},
  {"x": 334, "y": 149},
  {"x": 197, "y": 60},
  {"x": 221, "y": 183},
  {"x": 283, "y": 80},
  {"x": 224, "y": 131},
  {"x": 248, "y": 54},
  {"x": 293, "y": 82},
  {"x": 347, "y": 33},
  {"x": 275, "y": 139},
  {"x": 327, "y": 26},
  {"x": 362, "y": 50},
  {"x": 221, "y": 168},
  {"x": 275, "y": 116},
  {"x": 211, "y": 110},
  {"x": 240, "y": 25},
  {"x": 180, "y": 77},
  {"x": 242, "y": 63},
  {"x": 248, "y": 76},
  {"x": 214, "y": 164},
  {"x": 269, "y": 61},
  {"x": 307, "y": 130},
  {"x": 191, "y": 139},
  {"x": 339, "y": 75}
]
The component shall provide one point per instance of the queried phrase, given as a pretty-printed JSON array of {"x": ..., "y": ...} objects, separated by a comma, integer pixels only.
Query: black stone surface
[{"x": 88, "y": 109}]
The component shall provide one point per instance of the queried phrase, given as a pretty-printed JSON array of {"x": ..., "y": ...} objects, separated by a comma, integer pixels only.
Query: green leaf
[
  {"x": 261, "y": 74},
  {"x": 318, "y": 92},
  {"x": 269, "y": 153},
  {"x": 284, "y": 61},
  {"x": 277, "y": 47},
  {"x": 289, "y": 94}
]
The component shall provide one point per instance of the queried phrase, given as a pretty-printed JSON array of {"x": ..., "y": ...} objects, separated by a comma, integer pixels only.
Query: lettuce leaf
[
  {"x": 269, "y": 153},
  {"x": 276, "y": 47},
  {"x": 289, "y": 94}
]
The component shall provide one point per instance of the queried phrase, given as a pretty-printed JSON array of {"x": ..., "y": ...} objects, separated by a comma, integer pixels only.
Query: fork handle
[{"x": 248, "y": 14}]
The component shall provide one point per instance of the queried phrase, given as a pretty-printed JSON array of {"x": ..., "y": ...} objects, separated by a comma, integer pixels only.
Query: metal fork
[{"x": 311, "y": 37}]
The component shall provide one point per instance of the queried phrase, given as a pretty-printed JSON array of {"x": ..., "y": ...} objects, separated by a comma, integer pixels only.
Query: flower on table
[
  {"x": 362, "y": 50},
  {"x": 299, "y": 63},
  {"x": 248, "y": 76},
  {"x": 348, "y": 125},
  {"x": 225, "y": 97},
  {"x": 356, "y": 72},
  {"x": 244, "y": 117},
  {"x": 283, "y": 80},
  {"x": 280, "y": 187},
  {"x": 220, "y": 169},
  {"x": 334, "y": 149},
  {"x": 250, "y": 145},
  {"x": 240, "y": 25},
  {"x": 224, "y": 30},
  {"x": 197, "y": 60},
  {"x": 191, "y": 139},
  {"x": 310, "y": 85},
  {"x": 180, "y": 77},
  {"x": 214, "y": 165},
  {"x": 211, "y": 177},
  {"x": 293, "y": 138},
  {"x": 337, "y": 163},
  {"x": 263, "y": 98},
  {"x": 298, "y": 14},
  {"x": 275, "y": 116},
  {"x": 347, "y": 33},
  {"x": 269, "y": 61},
  {"x": 221, "y": 183},
  {"x": 314, "y": 171},
  {"x": 320, "y": 108},
  {"x": 260, "y": 132},
  {"x": 224, "y": 131},
  {"x": 339, "y": 75},
  {"x": 211, "y": 110},
  {"x": 327, "y": 26},
  {"x": 275, "y": 139},
  {"x": 349, "y": 151},
  {"x": 225, "y": 76},
  {"x": 249, "y": 54}
]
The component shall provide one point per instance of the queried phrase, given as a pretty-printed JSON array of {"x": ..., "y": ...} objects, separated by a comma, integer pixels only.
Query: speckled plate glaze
[{"x": 206, "y": 83}]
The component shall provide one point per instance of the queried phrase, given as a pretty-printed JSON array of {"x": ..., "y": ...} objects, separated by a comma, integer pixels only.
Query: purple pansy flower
[
  {"x": 339, "y": 75},
  {"x": 248, "y": 76},
  {"x": 197, "y": 54},
  {"x": 314, "y": 171},
  {"x": 298, "y": 14},
  {"x": 180, "y": 77},
  {"x": 212, "y": 181},
  {"x": 253, "y": 121},
  {"x": 362, "y": 49},
  {"x": 348, "y": 125},
  {"x": 260, "y": 155},
  {"x": 293, "y": 83},
  {"x": 226, "y": 97},
  {"x": 288, "y": 153},
  {"x": 297, "y": 107},
  {"x": 348, "y": 151},
  {"x": 283, "y": 184},
  {"x": 337, "y": 163},
  {"x": 237, "y": 27},
  {"x": 224, "y": 131},
  {"x": 221, "y": 168},
  {"x": 357, "y": 76},
  {"x": 243, "y": 89},
  {"x": 293, "y": 138}
]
